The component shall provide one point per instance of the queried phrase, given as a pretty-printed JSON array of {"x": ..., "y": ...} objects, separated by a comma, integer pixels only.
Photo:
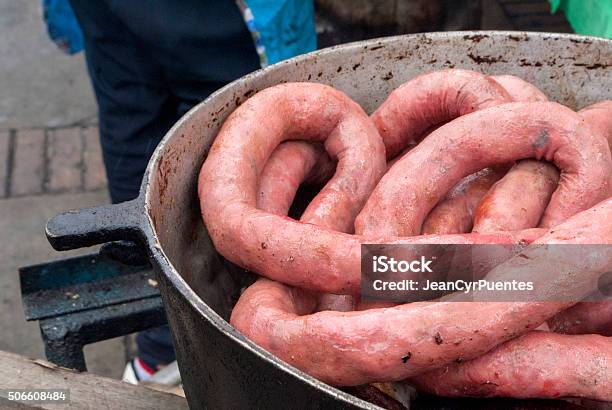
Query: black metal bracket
[{"x": 87, "y": 299}]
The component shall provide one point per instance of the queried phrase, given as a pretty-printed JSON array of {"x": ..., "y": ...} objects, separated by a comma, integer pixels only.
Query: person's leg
[
  {"x": 135, "y": 105},
  {"x": 208, "y": 49},
  {"x": 135, "y": 111},
  {"x": 171, "y": 67}
]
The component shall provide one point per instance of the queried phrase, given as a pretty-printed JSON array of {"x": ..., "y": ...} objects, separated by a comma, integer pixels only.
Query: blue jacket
[{"x": 280, "y": 29}]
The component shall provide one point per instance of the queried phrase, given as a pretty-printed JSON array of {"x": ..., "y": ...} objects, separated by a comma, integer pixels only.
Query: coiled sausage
[
  {"x": 536, "y": 365},
  {"x": 430, "y": 100},
  {"x": 350, "y": 348},
  {"x": 540, "y": 130}
]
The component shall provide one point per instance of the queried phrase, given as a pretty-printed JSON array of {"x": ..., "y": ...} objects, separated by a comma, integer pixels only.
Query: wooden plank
[
  {"x": 87, "y": 391},
  {"x": 6, "y": 404}
]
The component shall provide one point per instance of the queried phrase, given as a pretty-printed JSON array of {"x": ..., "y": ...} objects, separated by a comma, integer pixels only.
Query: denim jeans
[{"x": 149, "y": 63}]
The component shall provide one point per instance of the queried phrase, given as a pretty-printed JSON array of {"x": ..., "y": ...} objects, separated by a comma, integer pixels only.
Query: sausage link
[
  {"x": 455, "y": 213},
  {"x": 519, "y": 199},
  {"x": 270, "y": 244},
  {"x": 459, "y": 91},
  {"x": 536, "y": 365},
  {"x": 599, "y": 117},
  {"x": 289, "y": 165},
  {"x": 519, "y": 89},
  {"x": 431, "y": 99},
  {"x": 352, "y": 348},
  {"x": 583, "y": 318},
  {"x": 536, "y": 187},
  {"x": 299, "y": 254},
  {"x": 493, "y": 136},
  {"x": 540, "y": 364},
  {"x": 499, "y": 212},
  {"x": 294, "y": 161},
  {"x": 471, "y": 189}
]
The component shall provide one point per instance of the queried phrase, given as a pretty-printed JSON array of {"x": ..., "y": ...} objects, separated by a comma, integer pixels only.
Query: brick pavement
[
  {"x": 41, "y": 161},
  {"x": 44, "y": 171}
]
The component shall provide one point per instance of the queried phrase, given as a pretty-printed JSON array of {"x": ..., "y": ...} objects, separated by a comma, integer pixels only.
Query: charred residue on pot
[
  {"x": 523, "y": 62},
  {"x": 486, "y": 59},
  {"x": 580, "y": 41},
  {"x": 518, "y": 38},
  {"x": 475, "y": 38},
  {"x": 594, "y": 66},
  {"x": 168, "y": 165}
]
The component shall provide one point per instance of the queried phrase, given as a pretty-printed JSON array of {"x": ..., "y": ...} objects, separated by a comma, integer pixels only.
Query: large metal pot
[{"x": 221, "y": 368}]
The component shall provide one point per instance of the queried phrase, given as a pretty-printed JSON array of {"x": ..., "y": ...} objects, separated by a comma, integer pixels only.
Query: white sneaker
[
  {"x": 129, "y": 374},
  {"x": 136, "y": 371}
]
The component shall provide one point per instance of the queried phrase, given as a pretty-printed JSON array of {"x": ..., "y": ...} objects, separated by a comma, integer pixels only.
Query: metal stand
[{"x": 87, "y": 299}]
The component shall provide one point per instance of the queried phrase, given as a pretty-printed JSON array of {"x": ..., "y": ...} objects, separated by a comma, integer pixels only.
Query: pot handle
[{"x": 91, "y": 226}]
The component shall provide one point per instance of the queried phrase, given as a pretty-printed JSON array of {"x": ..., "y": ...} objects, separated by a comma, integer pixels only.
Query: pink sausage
[
  {"x": 289, "y": 165},
  {"x": 536, "y": 365},
  {"x": 584, "y": 317},
  {"x": 519, "y": 89},
  {"x": 498, "y": 213},
  {"x": 493, "y": 136},
  {"x": 432, "y": 99},
  {"x": 508, "y": 205},
  {"x": 541, "y": 365},
  {"x": 470, "y": 91},
  {"x": 289, "y": 160},
  {"x": 277, "y": 247},
  {"x": 519, "y": 199},
  {"x": 475, "y": 82},
  {"x": 274, "y": 245},
  {"x": 599, "y": 118},
  {"x": 351, "y": 348},
  {"x": 455, "y": 213}
]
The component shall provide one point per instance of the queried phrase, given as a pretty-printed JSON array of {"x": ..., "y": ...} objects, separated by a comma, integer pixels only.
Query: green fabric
[{"x": 591, "y": 17}]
